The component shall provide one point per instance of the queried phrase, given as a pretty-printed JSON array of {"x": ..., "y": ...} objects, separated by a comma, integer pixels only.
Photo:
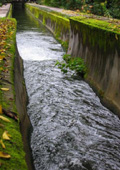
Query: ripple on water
[{"x": 71, "y": 129}]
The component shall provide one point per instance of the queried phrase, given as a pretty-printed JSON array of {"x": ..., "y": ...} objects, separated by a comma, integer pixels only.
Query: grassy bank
[{"x": 12, "y": 156}]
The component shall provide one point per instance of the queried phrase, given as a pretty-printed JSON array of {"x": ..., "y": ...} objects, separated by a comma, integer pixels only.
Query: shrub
[
  {"x": 1, "y": 2},
  {"x": 100, "y": 9},
  {"x": 106, "y": 8},
  {"x": 73, "y": 63},
  {"x": 114, "y": 8}
]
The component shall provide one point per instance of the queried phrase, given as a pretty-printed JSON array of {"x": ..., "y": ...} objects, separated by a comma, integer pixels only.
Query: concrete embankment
[
  {"x": 97, "y": 42},
  {"x": 13, "y": 100},
  {"x": 99, "y": 45},
  {"x": 57, "y": 24},
  {"x": 5, "y": 10},
  {"x": 21, "y": 103}
]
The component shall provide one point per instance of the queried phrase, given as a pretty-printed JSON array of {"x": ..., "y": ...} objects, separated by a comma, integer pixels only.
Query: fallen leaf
[
  {"x": 2, "y": 57},
  {"x": 116, "y": 36},
  {"x": 4, "y": 155},
  {"x": 115, "y": 26},
  {"x": 1, "y": 68},
  {"x": 5, "y": 89},
  {"x": 6, "y": 71},
  {"x": 0, "y": 109},
  {"x": 1, "y": 125},
  {"x": 11, "y": 99},
  {"x": 3, "y": 145},
  {"x": 6, "y": 136},
  {"x": 4, "y": 118},
  {"x": 6, "y": 80},
  {"x": 10, "y": 114}
]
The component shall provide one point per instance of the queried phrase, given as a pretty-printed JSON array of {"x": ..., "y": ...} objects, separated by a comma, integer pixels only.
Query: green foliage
[
  {"x": 100, "y": 9},
  {"x": 77, "y": 64},
  {"x": 108, "y": 8},
  {"x": 114, "y": 8},
  {"x": 1, "y": 2}
]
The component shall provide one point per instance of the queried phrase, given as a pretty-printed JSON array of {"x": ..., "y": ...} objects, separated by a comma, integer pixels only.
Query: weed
[{"x": 73, "y": 63}]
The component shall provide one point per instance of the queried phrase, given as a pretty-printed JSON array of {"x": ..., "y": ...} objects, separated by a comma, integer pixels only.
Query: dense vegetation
[
  {"x": 2, "y": 2},
  {"x": 108, "y": 8},
  {"x": 73, "y": 63}
]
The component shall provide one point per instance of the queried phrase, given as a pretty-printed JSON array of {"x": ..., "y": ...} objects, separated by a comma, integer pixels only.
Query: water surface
[{"x": 72, "y": 130}]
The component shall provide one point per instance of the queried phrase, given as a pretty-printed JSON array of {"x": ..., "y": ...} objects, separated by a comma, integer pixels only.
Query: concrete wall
[
  {"x": 101, "y": 51},
  {"x": 21, "y": 97},
  {"x": 5, "y": 10},
  {"x": 100, "y": 48},
  {"x": 57, "y": 24},
  {"x": 21, "y": 103}
]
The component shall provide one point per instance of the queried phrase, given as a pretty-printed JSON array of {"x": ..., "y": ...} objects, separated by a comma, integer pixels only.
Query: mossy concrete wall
[
  {"x": 97, "y": 42},
  {"x": 21, "y": 103},
  {"x": 9, "y": 14},
  {"x": 100, "y": 48},
  {"x": 57, "y": 24},
  {"x": 17, "y": 91}
]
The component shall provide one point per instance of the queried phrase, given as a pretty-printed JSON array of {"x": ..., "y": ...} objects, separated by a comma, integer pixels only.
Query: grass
[{"x": 14, "y": 146}]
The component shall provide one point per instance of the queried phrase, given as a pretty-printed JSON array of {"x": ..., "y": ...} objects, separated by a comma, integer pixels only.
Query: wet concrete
[
  {"x": 72, "y": 130},
  {"x": 4, "y": 10}
]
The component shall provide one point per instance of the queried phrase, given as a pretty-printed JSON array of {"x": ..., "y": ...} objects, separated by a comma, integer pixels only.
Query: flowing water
[{"x": 72, "y": 130}]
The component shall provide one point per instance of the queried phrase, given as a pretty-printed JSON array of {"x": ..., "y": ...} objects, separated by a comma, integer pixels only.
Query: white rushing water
[{"x": 72, "y": 130}]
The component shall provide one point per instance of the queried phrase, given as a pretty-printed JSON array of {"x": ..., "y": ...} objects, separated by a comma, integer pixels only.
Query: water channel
[{"x": 72, "y": 130}]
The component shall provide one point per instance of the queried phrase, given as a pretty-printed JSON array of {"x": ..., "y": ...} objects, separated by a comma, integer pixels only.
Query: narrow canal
[{"x": 72, "y": 130}]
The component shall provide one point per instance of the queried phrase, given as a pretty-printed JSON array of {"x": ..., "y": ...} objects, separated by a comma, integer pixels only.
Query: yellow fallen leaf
[
  {"x": 1, "y": 57},
  {"x": 0, "y": 109},
  {"x": 5, "y": 89},
  {"x": 1, "y": 68},
  {"x": 4, "y": 155},
  {"x": 3, "y": 53},
  {"x": 115, "y": 26},
  {"x": 4, "y": 118},
  {"x": 3, "y": 145},
  {"x": 6, "y": 136}
]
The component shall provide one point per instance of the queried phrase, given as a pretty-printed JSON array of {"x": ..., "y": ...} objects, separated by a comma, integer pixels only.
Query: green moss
[
  {"x": 63, "y": 43},
  {"x": 97, "y": 36},
  {"x": 60, "y": 14},
  {"x": 59, "y": 23},
  {"x": 101, "y": 93},
  {"x": 104, "y": 25},
  {"x": 10, "y": 12},
  {"x": 98, "y": 33},
  {"x": 14, "y": 146},
  {"x": 43, "y": 21}
]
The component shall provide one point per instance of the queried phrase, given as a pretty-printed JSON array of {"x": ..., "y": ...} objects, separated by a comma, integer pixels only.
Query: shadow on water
[{"x": 72, "y": 130}]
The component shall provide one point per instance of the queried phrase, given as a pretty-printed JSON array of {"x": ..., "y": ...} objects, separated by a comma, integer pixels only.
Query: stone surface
[
  {"x": 4, "y": 10},
  {"x": 100, "y": 50}
]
